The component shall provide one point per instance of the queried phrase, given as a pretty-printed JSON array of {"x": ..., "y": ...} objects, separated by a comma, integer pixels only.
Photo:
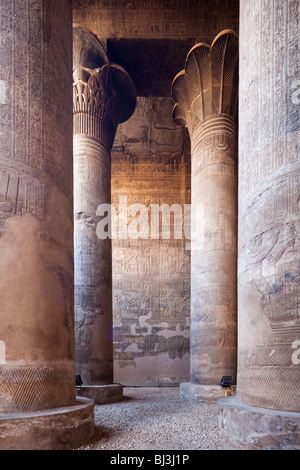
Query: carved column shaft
[
  {"x": 214, "y": 251},
  {"x": 95, "y": 123},
  {"x": 205, "y": 94},
  {"x": 93, "y": 263},
  {"x": 103, "y": 97},
  {"x": 269, "y": 217},
  {"x": 265, "y": 414},
  {"x": 36, "y": 220}
]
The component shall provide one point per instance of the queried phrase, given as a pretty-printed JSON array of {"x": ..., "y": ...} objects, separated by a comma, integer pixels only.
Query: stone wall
[
  {"x": 151, "y": 285},
  {"x": 156, "y": 18}
]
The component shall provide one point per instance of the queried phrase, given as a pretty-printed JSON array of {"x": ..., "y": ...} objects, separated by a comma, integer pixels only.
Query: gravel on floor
[{"x": 157, "y": 418}]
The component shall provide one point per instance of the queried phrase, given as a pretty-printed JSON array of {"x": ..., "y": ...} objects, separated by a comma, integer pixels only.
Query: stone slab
[
  {"x": 190, "y": 391},
  {"x": 259, "y": 428},
  {"x": 54, "y": 429},
  {"x": 102, "y": 394}
]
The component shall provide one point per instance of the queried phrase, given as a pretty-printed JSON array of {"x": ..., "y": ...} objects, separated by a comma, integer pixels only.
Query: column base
[
  {"x": 191, "y": 391},
  {"x": 54, "y": 429},
  {"x": 258, "y": 428},
  {"x": 102, "y": 394}
]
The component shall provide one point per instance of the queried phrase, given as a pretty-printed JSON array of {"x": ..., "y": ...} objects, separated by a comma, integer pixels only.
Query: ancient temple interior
[{"x": 149, "y": 213}]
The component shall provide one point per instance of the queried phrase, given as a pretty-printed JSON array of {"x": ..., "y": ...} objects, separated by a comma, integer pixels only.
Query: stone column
[
  {"x": 267, "y": 406},
  {"x": 103, "y": 96},
  {"x": 38, "y": 402},
  {"x": 205, "y": 94}
]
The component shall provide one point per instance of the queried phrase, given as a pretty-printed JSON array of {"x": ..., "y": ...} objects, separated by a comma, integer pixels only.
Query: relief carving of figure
[{"x": 271, "y": 245}]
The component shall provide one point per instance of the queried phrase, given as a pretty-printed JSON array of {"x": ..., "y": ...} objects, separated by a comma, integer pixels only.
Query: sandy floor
[{"x": 157, "y": 419}]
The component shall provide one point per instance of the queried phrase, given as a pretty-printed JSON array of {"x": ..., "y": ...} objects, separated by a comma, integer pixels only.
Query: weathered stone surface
[
  {"x": 102, "y": 394},
  {"x": 38, "y": 407},
  {"x": 151, "y": 282},
  {"x": 269, "y": 222},
  {"x": 151, "y": 301},
  {"x": 36, "y": 242},
  {"x": 158, "y": 19},
  {"x": 56, "y": 429},
  {"x": 259, "y": 428},
  {"x": 205, "y": 95},
  {"x": 266, "y": 410},
  {"x": 103, "y": 96},
  {"x": 194, "y": 391},
  {"x": 93, "y": 264},
  {"x": 151, "y": 39}
]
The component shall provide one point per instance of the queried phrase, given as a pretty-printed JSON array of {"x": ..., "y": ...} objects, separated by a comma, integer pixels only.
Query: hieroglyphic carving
[
  {"x": 36, "y": 203},
  {"x": 150, "y": 129},
  {"x": 205, "y": 95},
  {"x": 270, "y": 131},
  {"x": 269, "y": 205},
  {"x": 19, "y": 196},
  {"x": 153, "y": 5},
  {"x": 25, "y": 140},
  {"x": 158, "y": 19},
  {"x": 103, "y": 96},
  {"x": 151, "y": 278}
]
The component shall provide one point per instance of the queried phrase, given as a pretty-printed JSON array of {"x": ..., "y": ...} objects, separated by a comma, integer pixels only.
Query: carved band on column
[{"x": 215, "y": 127}]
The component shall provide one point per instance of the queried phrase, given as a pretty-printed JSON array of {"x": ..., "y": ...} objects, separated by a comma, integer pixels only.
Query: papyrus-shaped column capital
[
  {"x": 103, "y": 93},
  {"x": 208, "y": 84},
  {"x": 205, "y": 93}
]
